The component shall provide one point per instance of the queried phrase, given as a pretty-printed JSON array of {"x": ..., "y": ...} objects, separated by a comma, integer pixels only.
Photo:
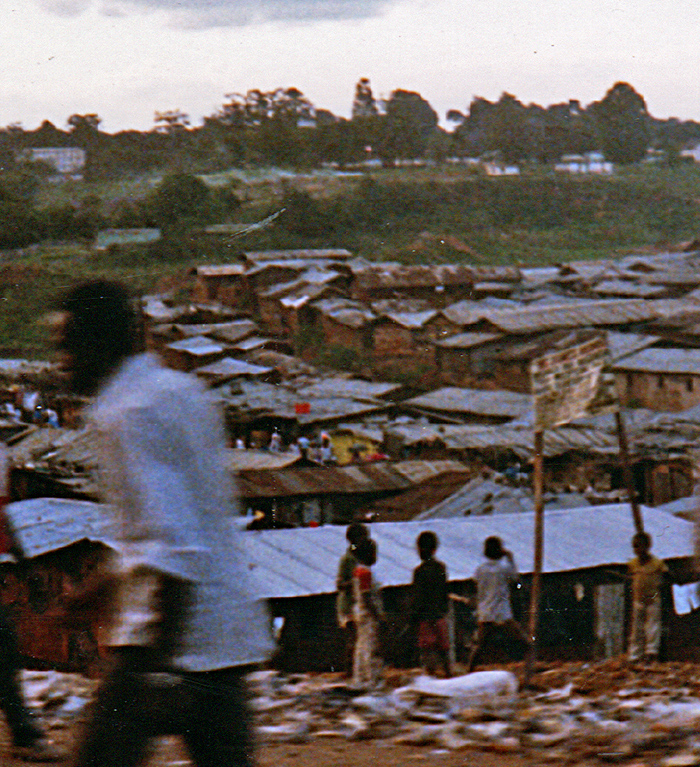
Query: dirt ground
[{"x": 588, "y": 680}]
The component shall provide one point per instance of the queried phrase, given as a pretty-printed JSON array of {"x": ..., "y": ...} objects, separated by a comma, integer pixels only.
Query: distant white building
[
  {"x": 497, "y": 169},
  {"x": 590, "y": 162},
  {"x": 68, "y": 161},
  {"x": 694, "y": 152}
]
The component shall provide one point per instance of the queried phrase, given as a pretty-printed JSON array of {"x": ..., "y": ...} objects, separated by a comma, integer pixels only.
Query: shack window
[
  {"x": 660, "y": 382},
  {"x": 689, "y": 384}
]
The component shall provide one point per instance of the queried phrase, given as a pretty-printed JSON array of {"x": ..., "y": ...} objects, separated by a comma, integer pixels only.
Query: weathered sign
[{"x": 572, "y": 383}]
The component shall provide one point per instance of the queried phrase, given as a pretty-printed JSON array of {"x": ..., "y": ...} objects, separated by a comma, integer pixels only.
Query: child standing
[
  {"x": 429, "y": 606},
  {"x": 355, "y": 533},
  {"x": 647, "y": 573},
  {"x": 368, "y": 614},
  {"x": 494, "y": 577}
]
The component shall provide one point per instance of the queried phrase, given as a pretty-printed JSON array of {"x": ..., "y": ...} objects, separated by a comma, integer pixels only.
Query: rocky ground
[{"x": 574, "y": 714}]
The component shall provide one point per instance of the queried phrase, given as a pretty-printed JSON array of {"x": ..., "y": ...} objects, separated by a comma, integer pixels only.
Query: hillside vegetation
[{"x": 537, "y": 218}]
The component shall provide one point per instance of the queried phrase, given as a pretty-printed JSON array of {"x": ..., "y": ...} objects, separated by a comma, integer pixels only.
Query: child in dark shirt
[{"x": 429, "y": 606}]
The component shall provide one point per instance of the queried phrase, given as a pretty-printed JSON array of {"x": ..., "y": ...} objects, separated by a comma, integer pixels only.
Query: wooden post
[
  {"x": 451, "y": 632},
  {"x": 627, "y": 473},
  {"x": 538, "y": 483}
]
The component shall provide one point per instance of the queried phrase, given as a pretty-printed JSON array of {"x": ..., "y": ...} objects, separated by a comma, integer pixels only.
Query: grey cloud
[
  {"x": 65, "y": 8},
  {"x": 198, "y": 14}
]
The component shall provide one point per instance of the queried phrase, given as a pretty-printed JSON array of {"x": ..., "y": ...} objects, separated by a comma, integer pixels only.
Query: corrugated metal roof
[
  {"x": 493, "y": 287},
  {"x": 305, "y": 294},
  {"x": 411, "y": 320},
  {"x": 261, "y": 399},
  {"x": 49, "y": 524},
  {"x": 251, "y": 342},
  {"x": 316, "y": 480},
  {"x": 518, "y": 438},
  {"x": 348, "y": 387},
  {"x": 469, "y": 312},
  {"x": 258, "y": 460},
  {"x": 230, "y": 332},
  {"x": 275, "y": 255},
  {"x": 228, "y": 367},
  {"x": 60, "y": 449},
  {"x": 627, "y": 288},
  {"x": 500, "y": 274},
  {"x": 659, "y": 261},
  {"x": 346, "y": 312},
  {"x": 303, "y": 562},
  {"x": 216, "y": 330},
  {"x": 622, "y": 344},
  {"x": 421, "y": 471},
  {"x": 683, "y": 278},
  {"x": 219, "y": 270},
  {"x": 158, "y": 311},
  {"x": 587, "y": 269},
  {"x": 481, "y": 496},
  {"x": 400, "y": 305},
  {"x": 539, "y": 275},
  {"x": 583, "y": 313},
  {"x": 295, "y": 266},
  {"x": 198, "y": 346},
  {"x": 680, "y": 361},
  {"x": 454, "y": 399},
  {"x": 391, "y": 275},
  {"x": 305, "y": 281},
  {"x": 468, "y": 340}
]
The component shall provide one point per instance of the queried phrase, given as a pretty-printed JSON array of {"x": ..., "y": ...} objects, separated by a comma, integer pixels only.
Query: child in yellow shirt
[{"x": 647, "y": 573}]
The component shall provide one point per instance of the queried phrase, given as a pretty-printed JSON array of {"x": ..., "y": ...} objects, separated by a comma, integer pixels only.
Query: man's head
[
  {"x": 641, "y": 544},
  {"x": 356, "y": 532},
  {"x": 98, "y": 330},
  {"x": 366, "y": 552},
  {"x": 427, "y": 543},
  {"x": 493, "y": 547}
]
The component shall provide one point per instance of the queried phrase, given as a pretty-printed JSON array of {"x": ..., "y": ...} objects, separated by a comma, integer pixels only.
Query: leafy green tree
[
  {"x": 179, "y": 202},
  {"x": 567, "y": 129},
  {"x": 508, "y": 131},
  {"x": 268, "y": 127},
  {"x": 175, "y": 125},
  {"x": 362, "y": 134},
  {"x": 406, "y": 127},
  {"x": 364, "y": 103},
  {"x": 342, "y": 141},
  {"x": 85, "y": 134},
  {"x": 19, "y": 225},
  {"x": 623, "y": 124}
]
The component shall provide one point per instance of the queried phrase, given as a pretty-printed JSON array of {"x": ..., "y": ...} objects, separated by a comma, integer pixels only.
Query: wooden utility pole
[
  {"x": 538, "y": 485},
  {"x": 627, "y": 473}
]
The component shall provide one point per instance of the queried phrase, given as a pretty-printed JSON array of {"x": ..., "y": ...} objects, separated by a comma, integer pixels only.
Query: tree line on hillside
[{"x": 283, "y": 128}]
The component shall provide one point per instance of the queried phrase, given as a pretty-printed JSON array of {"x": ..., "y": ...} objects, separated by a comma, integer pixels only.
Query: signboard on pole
[{"x": 573, "y": 383}]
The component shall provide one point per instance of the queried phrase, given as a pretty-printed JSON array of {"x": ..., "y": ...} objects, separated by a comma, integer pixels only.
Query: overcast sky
[{"x": 125, "y": 59}]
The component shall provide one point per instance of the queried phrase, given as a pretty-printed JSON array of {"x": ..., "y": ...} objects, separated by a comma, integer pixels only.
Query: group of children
[{"x": 360, "y": 611}]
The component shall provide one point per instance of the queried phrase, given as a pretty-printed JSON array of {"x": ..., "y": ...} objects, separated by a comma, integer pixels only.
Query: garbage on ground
[{"x": 610, "y": 712}]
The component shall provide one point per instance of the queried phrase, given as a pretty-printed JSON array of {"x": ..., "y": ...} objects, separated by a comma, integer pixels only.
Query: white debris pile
[{"x": 485, "y": 711}]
